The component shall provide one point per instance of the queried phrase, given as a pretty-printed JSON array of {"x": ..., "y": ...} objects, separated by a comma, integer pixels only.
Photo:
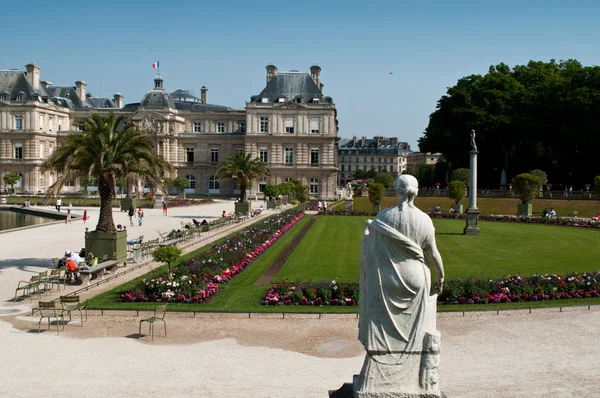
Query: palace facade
[{"x": 290, "y": 125}]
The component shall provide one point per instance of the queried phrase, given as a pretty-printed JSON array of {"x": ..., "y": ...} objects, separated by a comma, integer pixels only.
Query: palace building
[{"x": 290, "y": 125}]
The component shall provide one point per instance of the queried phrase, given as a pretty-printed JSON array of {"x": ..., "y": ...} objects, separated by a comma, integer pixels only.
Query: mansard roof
[
  {"x": 14, "y": 82},
  {"x": 62, "y": 93},
  {"x": 294, "y": 86}
]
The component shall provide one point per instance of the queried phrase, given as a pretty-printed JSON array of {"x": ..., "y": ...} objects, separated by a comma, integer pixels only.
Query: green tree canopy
[
  {"x": 168, "y": 255},
  {"x": 541, "y": 175},
  {"x": 105, "y": 150},
  {"x": 461, "y": 174},
  {"x": 543, "y": 115},
  {"x": 385, "y": 179},
  {"x": 271, "y": 190},
  {"x": 526, "y": 186},
  {"x": 426, "y": 175},
  {"x": 375, "y": 193},
  {"x": 456, "y": 191},
  {"x": 299, "y": 191},
  {"x": 11, "y": 179},
  {"x": 242, "y": 169}
]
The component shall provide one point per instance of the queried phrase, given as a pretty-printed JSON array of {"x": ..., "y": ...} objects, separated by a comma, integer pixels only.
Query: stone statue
[
  {"x": 348, "y": 191},
  {"x": 397, "y": 322},
  {"x": 473, "y": 144}
]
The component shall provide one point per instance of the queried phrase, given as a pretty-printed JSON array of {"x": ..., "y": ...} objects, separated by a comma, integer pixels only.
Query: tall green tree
[
  {"x": 102, "y": 151},
  {"x": 11, "y": 179},
  {"x": 242, "y": 169},
  {"x": 385, "y": 179}
]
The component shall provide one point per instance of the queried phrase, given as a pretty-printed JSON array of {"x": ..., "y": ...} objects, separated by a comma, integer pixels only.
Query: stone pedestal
[
  {"x": 472, "y": 227},
  {"x": 458, "y": 209},
  {"x": 348, "y": 205}
]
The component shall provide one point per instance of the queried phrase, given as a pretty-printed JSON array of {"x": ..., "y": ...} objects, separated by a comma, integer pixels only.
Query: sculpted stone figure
[
  {"x": 348, "y": 191},
  {"x": 473, "y": 144},
  {"x": 397, "y": 306}
]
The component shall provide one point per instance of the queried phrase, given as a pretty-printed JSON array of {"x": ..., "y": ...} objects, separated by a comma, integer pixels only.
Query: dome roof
[
  {"x": 181, "y": 95},
  {"x": 158, "y": 97}
]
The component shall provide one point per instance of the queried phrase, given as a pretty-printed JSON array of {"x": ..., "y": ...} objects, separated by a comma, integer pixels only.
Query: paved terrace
[{"x": 510, "y": 354}]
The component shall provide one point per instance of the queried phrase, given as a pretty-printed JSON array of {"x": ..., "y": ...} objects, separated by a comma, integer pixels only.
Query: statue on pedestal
[
  {"x": 397, "y": 306},
  {"x": 349, "y": 191},
  {"x": 473, "y": 144}
]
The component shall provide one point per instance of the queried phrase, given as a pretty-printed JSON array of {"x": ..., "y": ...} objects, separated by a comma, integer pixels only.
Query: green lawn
[{"x": 331, "y": 250}]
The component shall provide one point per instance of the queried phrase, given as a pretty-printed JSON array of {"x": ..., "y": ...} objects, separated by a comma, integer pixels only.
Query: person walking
[
  {"x": 131, "y": 213},
  {"x": 58, "y": 204},
  {"x": 85, "y": 216},
  {"x": 68, "y": 220},
  {"x": 165, "y": 208},
  {"x": 140, "y": 216}
]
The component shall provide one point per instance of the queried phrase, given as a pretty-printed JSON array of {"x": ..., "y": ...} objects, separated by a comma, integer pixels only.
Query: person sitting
[
  {"x": 196, "y": 222},
  {"x": 545, "y": 212},
  {"x": 71, "y": 269},
  {"x": 119, "y": 227},
  {"x": 224, "y": 214},
  {"x": 551, "y": 213}
]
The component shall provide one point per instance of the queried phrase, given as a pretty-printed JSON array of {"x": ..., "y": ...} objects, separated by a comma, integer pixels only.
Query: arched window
[
  {"x": 192, "y": 181},
  {"x": 314, "y": 186},
  {"x": 21, "y": 96},
  {"x": 213, "y": 185}
]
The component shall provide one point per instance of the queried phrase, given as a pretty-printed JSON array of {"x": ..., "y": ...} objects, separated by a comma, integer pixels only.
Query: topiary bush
[
  {"x": 526, "y": 186},
  {"x": 375, "y": 193},
  {"x": 456, "y": 191}
]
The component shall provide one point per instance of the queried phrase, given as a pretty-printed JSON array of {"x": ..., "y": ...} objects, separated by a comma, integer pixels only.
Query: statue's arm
[{"x": 435, "y": 261}]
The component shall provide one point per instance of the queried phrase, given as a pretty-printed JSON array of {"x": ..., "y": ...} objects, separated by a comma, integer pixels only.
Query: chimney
[
  {"x": 203, "y": 94},
  {"x": 364, "y": 141},
  {"x": 118, "y": 99},
  {"x": 378, "y": 138},
  {"x": 354, "y": 141},
  {"x": 33, "y": 75},
  {"x": 46, "y": 84},
  {"x": 271, "y": 72},
  {"x": 394, "y": 140},
  {"x": 80, "y": 87},
  {"x": 315, "y": 73}
]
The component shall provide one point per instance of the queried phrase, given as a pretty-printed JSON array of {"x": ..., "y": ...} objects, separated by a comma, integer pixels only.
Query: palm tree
[
  {"x": 109, "y": 148},
  {"x": 242, "y": 169}
]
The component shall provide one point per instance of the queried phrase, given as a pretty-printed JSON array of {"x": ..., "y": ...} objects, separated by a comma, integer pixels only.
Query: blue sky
[{"x": 225, "y": 46}]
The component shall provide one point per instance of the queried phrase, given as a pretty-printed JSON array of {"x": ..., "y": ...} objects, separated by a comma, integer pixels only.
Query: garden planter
[
  {"x": 270, "y": 204},
  {"x": 277, "y": 202},
  {"x": 126, "y": 203},
  {"x": 458, "y": 209},
  {"x": 111, "y": 244},
  {"x": 524, "y": 209},
  {"x": 243, "y": 207},
  {"x": 348, "y": 205}
]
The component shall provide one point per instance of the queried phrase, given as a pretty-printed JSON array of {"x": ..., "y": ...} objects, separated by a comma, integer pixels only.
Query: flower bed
[
  {"x": 312, "y": 293},
  {"x": 198, "y": 279},
  {"x": 516, "y": 288}
]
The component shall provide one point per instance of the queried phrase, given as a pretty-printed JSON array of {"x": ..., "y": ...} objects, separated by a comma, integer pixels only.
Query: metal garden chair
[
  {"x": 48, "y": 310},
  {"x": 159, "y": 316},
  {"x": 72, "y": 303}
]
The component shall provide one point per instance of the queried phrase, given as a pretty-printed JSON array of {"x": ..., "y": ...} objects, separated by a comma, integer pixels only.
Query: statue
[
  {"x": 397, "y": 322},
  {"x": 348, "y": 191},
  {"x": 473, "y": 144}
]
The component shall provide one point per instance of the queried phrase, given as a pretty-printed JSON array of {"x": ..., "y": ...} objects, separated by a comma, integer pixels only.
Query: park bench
[{"x": 98, "y": 270}]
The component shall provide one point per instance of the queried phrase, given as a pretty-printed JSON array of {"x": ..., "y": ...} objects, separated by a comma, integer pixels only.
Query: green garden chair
[
  {"x": 72, "y": 303},
  {"x": 48, "y": 310},
  {"x": 159, "y": 316},
  {"x": 44, "y": 280},
  {"x": 58, "y": 276},
  {"x": 28, "y": 287}
]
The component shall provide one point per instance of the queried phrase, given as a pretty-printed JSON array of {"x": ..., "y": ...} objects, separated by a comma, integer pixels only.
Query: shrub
[
  {"x": 375, "y": 193},
  {"x": 271, "y": 190},
  {"x": 526, "y": 186},
  {"x": 456, "y": 191},
  {"x": 167, "y": 254},
  {"x": 461, "y": 175},
  {"x": 385, "y": 179},
  {"x": 541, "y": 175}
]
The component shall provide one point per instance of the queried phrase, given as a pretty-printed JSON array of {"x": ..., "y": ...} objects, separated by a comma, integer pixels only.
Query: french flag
[{"x": 155, "y": 65}]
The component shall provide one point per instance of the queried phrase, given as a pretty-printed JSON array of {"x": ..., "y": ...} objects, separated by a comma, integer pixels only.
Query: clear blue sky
[{"x": 225, "y": 45}]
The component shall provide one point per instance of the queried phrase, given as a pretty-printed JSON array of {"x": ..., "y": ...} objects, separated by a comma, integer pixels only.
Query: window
[
  {"x": 261, "y": 185},
  {"x": 18, "y": 122},
  {"x": 264, "y": 124},
  {"x": 214, "y": 155},
  {"x": 59, "y": 124},
  {"x": 315, "y": 100},
  {"x": 18, "y": 151},
  {"x": 287, "y": 179},
  {"x": 192, "y": 181},
  {"x": 357, "y": 159},
  {"x": 243, "y": 127},
  {"x": 365, "y": 159},
  {"x": 263, "y": 154},
  {"x": 220, "y": 127},
  {"x": 41, "y": 122},
  {"x": 314, "y": 186},
  {"x": 197, "y": 127},
  {"x": 314, "y": 125},
  {"x": 239, "y": 150},
  {"x": 69, "y": 183},
  {"x": 94, "y": 182},
  {"x": 391, "y": 169},
  {"x": 41, "y": 150},
  {"x": 281, "y": 99},
  {"x": 189, "y": 155},
  {"x": 21, "y": 96},
  {"x": 4, "y": 96},
  {"x": 379, "y": 160},
  {"x": 379, "y": 168},
  {"x": 213, "y": 184},
  {"x": 343, "y": 159},
  {"x": 343, "y": 168},
  {"x": 372, "y": 160},
  {"x": 289, "y": 155},
  {"x": 314, "y": 155},
  {"x": 289, "y": 125},
  {"x": 264, "y": 100},
  {"x": 51, "y": 123},
  {"x": 81, "y": 125},
  {"x": 50, "y": 149}
]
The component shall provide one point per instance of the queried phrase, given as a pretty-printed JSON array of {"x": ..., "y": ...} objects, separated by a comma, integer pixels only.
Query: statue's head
[{"x": 407, "y": 187}]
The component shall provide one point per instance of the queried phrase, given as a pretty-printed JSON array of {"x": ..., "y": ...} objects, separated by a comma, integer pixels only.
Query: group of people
[
  {"x": 548, "y": 214},
  {"x": 71, "y": 261},
  {"x": 140, "y": 215},
  {"x": 322, "y": 205}
]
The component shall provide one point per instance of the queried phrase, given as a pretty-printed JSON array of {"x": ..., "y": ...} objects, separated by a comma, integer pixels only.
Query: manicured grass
[{"x": 504, "y": 206}]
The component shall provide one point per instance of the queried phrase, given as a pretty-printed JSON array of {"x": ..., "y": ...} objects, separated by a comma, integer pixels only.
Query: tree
[
  {"x": 526, "y": 187},
  {"x": 84, "y": 183},
  {"x": 181, "y": 184},
  {"x": 299, "y": 191},
  {"x": 242, "y": 169},
  {"x": 360, "y": 174},
  {"x": 11, "y": 179},
  {"x": 597, "y": 186},
  {"x": 541, "y": 175},
  {"x": 271, "y": 190},
  {"x": 167, "y": 254},
  {"x": 426, "y": 175},
  {"x": 456, "y": 191},
  {"x": 375, "y": 193},
  {"x": 102, "y": 151},
  {"x": 461, "y": 175},
  {"x": 285, "y": 188},
  {"x": 385, "y": 179}
]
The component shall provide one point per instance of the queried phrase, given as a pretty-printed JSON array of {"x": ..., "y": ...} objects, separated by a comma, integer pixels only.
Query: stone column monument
[
  {"x": 397, "y": 309},
  {"x": 472, "y": 227}
]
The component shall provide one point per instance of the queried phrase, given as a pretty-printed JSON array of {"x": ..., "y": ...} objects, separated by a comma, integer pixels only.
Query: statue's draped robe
[{"x": 395, "y": 307}]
